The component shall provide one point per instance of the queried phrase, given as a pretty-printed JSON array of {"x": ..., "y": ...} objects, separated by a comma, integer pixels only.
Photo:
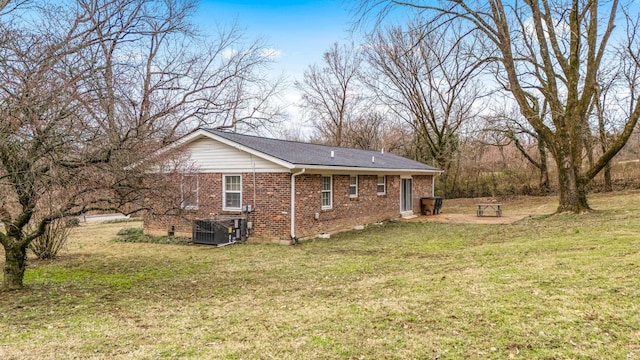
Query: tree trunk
[
  {"x": 543, "y": 182},
  {"x": 14, "y": 267},
  {"x": 573, "y": 197},
  {"x": 608, "y": 186}
]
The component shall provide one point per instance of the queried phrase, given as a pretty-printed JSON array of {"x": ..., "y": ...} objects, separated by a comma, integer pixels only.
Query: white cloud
[
  {"x": 561, "y": 28},
  {"x": 271, "y": 53},
  {"x": 229, "y": 53},
  {"x": 265, "y": 53}
]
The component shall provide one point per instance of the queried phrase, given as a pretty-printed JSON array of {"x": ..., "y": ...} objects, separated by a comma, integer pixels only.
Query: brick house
[{"x": 288, "y": 189}]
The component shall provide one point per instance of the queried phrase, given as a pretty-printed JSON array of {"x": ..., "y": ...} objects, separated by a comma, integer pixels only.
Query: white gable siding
[{"x": 212, "y": 156}]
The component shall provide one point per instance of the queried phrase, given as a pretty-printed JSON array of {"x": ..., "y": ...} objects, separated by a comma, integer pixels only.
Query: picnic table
[{"x": 497, "y": 208}]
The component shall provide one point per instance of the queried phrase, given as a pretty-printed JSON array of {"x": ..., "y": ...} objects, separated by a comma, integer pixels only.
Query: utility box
[
  {"x": 430, "y": 205},
  {"x": 438, "y": 205},
  {"x": 427, "y": 205},
  {"x": 219, "y": 231}
]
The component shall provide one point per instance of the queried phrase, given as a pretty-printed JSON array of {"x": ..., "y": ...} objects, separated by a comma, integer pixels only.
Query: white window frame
[
  {"x": 383, "y": 183},
  {"x": 329, "y": 191},
  {"x": 225, "y": 192},
  {"x": 195, "y": 192},
  {"x": 353, "y": 186}
]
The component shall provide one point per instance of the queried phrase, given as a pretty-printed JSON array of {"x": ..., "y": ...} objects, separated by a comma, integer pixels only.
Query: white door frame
[{"x": 403, "y": 204}]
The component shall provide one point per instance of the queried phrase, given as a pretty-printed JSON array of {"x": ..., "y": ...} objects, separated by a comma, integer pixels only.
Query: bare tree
[
  {"x": 429, "y": 82},
  {"x": 551, "y": 51},
  {"x": 614, "y": 102},
  {"x": 331, "y": 94},
  {"x": 375, "y": 131},
  {"x": 601, "y": 114},
  {"x": 514, "y": 130},
  {"x": 89, "y": 89},
  {"x": 156, "y": 70},
  {"x": 7, "y": 6}
]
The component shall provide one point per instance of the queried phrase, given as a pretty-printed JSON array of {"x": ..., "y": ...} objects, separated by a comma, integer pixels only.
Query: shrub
[
  {"x": 49, "y": 244},
  {"x": 136, "y": 235}
]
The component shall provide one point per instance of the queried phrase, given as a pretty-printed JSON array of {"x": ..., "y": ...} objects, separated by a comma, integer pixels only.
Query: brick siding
[
  {"x": 272, "y": 193},
  {"x": 346, "y": 213},
  {"x": 271, "y": 214}
]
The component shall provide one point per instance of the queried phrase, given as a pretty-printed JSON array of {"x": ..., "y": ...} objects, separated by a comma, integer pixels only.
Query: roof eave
[{"x": 362, "y": 169}]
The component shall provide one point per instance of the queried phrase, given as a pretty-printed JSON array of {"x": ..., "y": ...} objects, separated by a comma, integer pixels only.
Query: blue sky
[{"x": 300, "y": 30}]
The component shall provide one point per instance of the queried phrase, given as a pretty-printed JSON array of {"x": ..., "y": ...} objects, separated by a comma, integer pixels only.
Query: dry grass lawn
[{"x": 545, "y": 287}]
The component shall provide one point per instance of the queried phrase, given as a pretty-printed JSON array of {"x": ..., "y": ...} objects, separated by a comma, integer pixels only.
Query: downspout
[
  {"x": 293, "y": 205},
  {"x": 433, "y": 185},
  {"x": 254, "y": 181}
]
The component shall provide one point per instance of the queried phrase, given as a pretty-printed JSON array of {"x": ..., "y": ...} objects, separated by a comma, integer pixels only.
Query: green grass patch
[
  {"x": 136, "y": 235},
  {"x": 548, "y": 287},
  {"x": 87, "y": 276}
]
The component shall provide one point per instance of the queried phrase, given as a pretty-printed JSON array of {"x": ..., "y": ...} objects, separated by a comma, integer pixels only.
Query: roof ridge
[{"x": 292, "y": 141}]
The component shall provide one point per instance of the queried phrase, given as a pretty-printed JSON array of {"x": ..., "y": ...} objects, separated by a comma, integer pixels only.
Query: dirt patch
[
  {"x": 468, "y": 219},
  {"x": 463, "y": 211}
]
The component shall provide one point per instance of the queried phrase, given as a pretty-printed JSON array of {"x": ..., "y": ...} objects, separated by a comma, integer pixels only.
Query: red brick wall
[
  {"x": 368, "y": 207},
  {"x": 271, "y": 215},
  {"x": 421, "y": 188},
  {"x": 272, "y": 194}
]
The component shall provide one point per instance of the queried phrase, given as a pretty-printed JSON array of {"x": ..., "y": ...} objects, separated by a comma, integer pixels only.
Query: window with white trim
[
  {"x": 327, "y": 192},
  {"x": 232, "y": 193},
  {"x": 189, "y": 192},
  {"x": 382, "y": 185},
  {"x": 353, "y": 186}
]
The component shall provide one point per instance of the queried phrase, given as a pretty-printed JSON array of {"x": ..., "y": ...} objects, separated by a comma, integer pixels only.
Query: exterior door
[{"x": 406, "y": 195}]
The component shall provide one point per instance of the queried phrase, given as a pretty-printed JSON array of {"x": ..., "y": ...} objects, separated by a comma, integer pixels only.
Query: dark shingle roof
[{"x": 299, "y": 153}]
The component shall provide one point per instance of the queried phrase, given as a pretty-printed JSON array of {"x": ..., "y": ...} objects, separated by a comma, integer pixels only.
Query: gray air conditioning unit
[{"x": 219, "y": 232}]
